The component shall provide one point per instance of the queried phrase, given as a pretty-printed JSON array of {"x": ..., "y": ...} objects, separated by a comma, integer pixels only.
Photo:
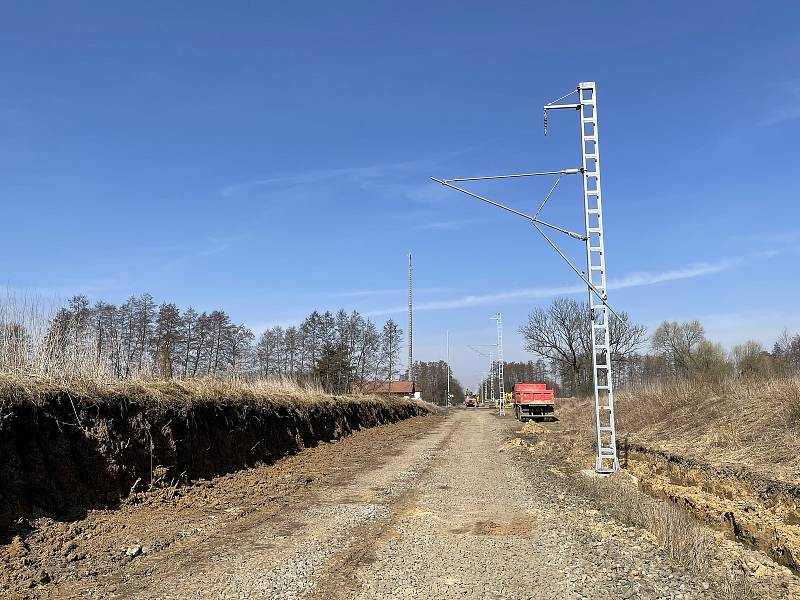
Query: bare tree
[
  {"x": 557, "y": 333},
  {"x": 166, "y": 337},
  {"x": 678, "y": 344},
  {"x": 561, "y": 333},
  {"x": 786, "y": 352},
  {"x": 140, "y": 338},
  {"x": 432, "y": 379},
  {"x": 189, "y": 333},
  {"x": 266, "y": 351},
  {"x": 239, "y": 340},
  {"x": 390, "y": 345},
  {"x": 751, "y": 360}
]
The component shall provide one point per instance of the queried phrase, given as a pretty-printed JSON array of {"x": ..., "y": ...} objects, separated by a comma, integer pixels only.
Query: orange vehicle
[{"x": 533, "y": 400}]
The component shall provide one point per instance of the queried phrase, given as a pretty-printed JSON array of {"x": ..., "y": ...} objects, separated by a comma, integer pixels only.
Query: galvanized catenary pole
[
  {"x": 606, "y": 460},
  {"x": 501, "y": 384},
  {"x": 447, "y": 342},
  {"x": 491, "y": 376},
  {"x": 600, "y": 313}
]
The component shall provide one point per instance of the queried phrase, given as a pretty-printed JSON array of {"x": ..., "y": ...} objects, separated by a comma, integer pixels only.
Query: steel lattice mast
[
  {"x": 606, "y": 460},
  {"x": 595, "y": 275},
  {"x": 447, "y": 343},
  {"x": 501, "y": 385},
  {"x": 491, "y": 377},
  {"x": 410, "y": 320}
]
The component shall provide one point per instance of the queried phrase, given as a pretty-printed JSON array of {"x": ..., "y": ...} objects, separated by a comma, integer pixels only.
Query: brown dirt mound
[{"x": 533, "y": 427}]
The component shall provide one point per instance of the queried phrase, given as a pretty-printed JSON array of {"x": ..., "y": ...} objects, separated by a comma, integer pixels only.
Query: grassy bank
[
  {"x": 750, "y": 424},
  {"x": 728, "y": 453}
]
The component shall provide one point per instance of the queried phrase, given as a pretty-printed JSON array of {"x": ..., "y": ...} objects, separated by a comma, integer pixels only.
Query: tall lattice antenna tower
[{"x": 410, "y": 319}]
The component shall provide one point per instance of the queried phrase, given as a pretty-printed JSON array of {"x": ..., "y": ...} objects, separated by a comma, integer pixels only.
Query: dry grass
[
  {"x": 26, "y": 349},
  {"x": 684, "y": 539},
  {"x": 271, "y": 392},
  {"x": 749, "y": 423},
  {"x": 31, "y": 371}
]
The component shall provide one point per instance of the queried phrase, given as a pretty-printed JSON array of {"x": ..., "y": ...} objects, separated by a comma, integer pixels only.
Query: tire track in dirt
[
  {"x": 338, "y": 581},
  {"x": 480, "y": 525},
  {"x": 282, "y": 555},
  {"x": 194, "y": 530}
]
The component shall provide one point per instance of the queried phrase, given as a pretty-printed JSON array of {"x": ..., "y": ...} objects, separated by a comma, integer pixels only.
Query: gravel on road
[{"x": 448, "y": 506}]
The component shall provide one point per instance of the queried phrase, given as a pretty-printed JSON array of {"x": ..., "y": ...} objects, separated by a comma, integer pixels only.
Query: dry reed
[
  {"x": 744, "y": 422},
  {"x": 32, "y": 368},
  {"x": 682, "y": 537},
  {"x": 26, "y": 348}
]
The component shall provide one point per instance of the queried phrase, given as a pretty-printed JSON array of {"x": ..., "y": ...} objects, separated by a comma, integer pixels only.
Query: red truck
[
  {"x": 533, "y": 400},
  {"x": 470, "y": 401}
]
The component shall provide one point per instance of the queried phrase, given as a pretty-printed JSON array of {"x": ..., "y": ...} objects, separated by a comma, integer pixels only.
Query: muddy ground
[{"x": 456, "y": 505}]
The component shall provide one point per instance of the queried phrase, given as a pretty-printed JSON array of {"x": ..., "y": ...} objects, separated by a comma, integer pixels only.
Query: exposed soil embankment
[
  {"x": 730, "y": 460},
  {"x": 762, "y": 513},
  {"x": 63, "y": 451},
  {"x": 746, "y": 511}
]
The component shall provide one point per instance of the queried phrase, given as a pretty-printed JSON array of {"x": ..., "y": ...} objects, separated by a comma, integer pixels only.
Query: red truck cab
[
  {"x": 533, "y": 400},
  {"x": 470, "y": 401}
]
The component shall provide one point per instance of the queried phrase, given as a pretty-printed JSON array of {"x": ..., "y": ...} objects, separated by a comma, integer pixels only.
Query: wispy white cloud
[
  {"x": 638, "y": 279},
  {"x": 696, "y": 270},
  {"x": 356, "y": 174},
  {"x": 408, "y": 179},
  {"x": 782, "y": 114},
  {"x": 453, "y": 225},
  {"x": 57, "y": 295},
  {"x": 780, "y": 239},
  {"x": 365, "y": 176},
  {"x": 364, "y": 293},
  {"x": 788, "y": 111},
  {"x": 761, "y": 325},
  {"x": 384, "y": 292}
]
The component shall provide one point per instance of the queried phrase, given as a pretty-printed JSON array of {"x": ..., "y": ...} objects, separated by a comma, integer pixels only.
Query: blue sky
[{"x": 274, "y": 158}]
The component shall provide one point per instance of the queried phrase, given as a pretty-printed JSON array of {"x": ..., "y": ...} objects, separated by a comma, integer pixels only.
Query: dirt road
[{"x": 446, "y": 506}]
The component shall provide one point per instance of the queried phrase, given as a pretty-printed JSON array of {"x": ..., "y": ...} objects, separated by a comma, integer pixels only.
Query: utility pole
[
  {"x": 593, "y": 238},
  {"x": 410, "y": 320}
]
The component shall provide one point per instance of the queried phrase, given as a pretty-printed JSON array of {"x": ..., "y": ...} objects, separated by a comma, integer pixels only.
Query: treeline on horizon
[
  {"x": 339, "y": 351},
  {"x": 559, "y": 336}
]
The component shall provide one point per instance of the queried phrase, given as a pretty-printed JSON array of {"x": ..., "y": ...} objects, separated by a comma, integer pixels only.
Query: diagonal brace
[
  {"x": 532, "y": 219},
  {"x": 602, "y": 296}
]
